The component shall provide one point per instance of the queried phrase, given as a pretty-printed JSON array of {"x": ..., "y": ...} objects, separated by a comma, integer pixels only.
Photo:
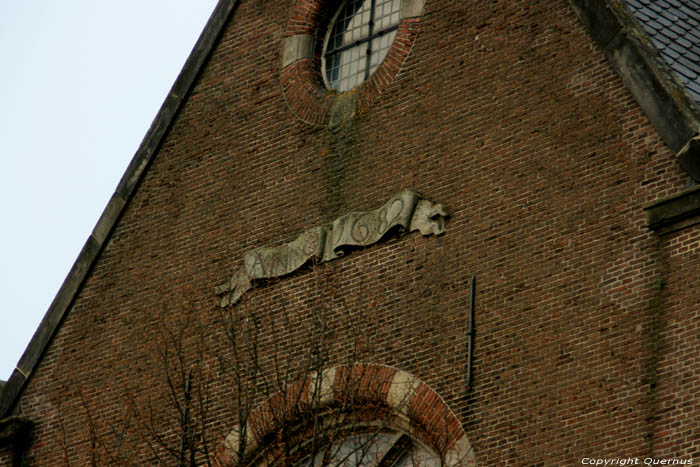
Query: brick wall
[
  {"x": 678, "y": 347},
  {"x": 503, "y": 111}
]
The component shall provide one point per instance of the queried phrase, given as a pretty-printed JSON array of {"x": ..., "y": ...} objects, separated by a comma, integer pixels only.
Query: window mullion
[
  {"x": 359, "y": 42},
  {"x": 365, "y": 32},
  {"x": 369, "y": 42},
  {"x": 398, "y": 451}
]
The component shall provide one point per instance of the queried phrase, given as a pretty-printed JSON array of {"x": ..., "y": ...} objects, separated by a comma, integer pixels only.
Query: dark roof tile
[
  {"x": 689, "y": 64},
  {"x": 655, "y": 25},
  {"x": 678, "y": 48},
  {"x": 651, "y": 31},
  {"x": 694, "y": 14},
  {"x": 642, "y": 17},
  {"x": 694, "y": 37},
  {"x": 694, "y": 87},
  {"x": 665, "y": 21},
  {"x": 675, "y": 15},
  {"x": 649, "y": 12},
  {"x": 661, "y": 41},
  {"x": 692, "y": 56},
  {"x": 674, "y": 29},
  {"x": 686, "y": 72},
  {"x": 684, "y": 42},
  {"x": 670, "y": 54},
  {"x": 658, "y": 5},
  {"x": 670, "y": 34}
]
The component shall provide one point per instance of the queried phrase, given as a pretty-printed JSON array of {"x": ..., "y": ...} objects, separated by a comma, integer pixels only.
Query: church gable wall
[{"x": 507, "y": 114}]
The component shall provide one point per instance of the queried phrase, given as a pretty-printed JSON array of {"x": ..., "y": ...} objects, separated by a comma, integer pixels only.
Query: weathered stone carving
[{"x": 327, "y": 242}]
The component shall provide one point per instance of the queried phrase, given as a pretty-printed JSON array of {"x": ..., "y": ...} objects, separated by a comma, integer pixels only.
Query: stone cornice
[
  {"x": 14, "y": 431},
  {"x": 675, "y": 212}
]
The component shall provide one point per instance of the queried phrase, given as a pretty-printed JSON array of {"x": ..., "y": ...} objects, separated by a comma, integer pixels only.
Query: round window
[
  {"x": 325, "y": 49},
  {"x": 358, "y": 41}
]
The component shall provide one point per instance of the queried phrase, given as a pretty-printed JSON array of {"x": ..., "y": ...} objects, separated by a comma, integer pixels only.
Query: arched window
[
  {"x": 380, "y": 448},
  {"x": 351, "y": 416}
]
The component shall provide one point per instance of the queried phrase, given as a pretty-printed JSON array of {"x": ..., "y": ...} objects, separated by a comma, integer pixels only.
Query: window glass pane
[
  {"x": 358, "y": 14},
  {"x": 365, "y": 449},
  {"x": 332, "y": 66},
  {"x": 351, "y": 36},
  {"x": 387, "y": 13},
  {"x": 371, "y": 449},
  {"x": 419, "y": 456},
  {"x": 380, "y": 47},
  {"x": 366, "y": 15}
]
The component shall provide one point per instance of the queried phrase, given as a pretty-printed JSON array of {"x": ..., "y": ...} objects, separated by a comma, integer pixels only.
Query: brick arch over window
[
  {"x": 415, "y": 407},
  {"x": 302, "y": 46}
]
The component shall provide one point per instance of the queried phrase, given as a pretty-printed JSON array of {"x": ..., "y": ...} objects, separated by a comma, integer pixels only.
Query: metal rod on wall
[{"x": 470, "y": 335}]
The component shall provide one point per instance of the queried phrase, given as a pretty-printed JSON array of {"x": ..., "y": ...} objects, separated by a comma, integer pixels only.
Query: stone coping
[{"x": 675, "y": 212}]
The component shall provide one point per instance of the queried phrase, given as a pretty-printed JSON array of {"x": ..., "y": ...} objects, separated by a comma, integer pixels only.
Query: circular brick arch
[
  {"x": 415, "y": 409},
  {"x": 302, "y": 83}
]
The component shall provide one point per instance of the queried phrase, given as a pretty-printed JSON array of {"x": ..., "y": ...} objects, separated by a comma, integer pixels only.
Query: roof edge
[
  {"x": 112, "y": 213},
  {"x": 650, "y": 80}
]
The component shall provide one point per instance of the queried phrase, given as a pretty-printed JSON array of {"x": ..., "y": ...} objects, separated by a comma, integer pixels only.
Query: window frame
[
  {"x": 371, "y": 36},
  {"x": 301, "y": 72},
  {"x": 400, "y": 448}
]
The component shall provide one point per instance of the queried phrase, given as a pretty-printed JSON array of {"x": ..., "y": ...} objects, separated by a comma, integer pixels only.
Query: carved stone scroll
[{"x": 327, "y": 242}]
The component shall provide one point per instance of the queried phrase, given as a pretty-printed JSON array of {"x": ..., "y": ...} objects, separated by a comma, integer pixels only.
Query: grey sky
[{"x": 81, "y": 82}]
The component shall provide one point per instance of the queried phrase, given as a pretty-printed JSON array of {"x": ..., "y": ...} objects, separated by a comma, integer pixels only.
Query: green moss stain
[{"x": 340, "y": 134}]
